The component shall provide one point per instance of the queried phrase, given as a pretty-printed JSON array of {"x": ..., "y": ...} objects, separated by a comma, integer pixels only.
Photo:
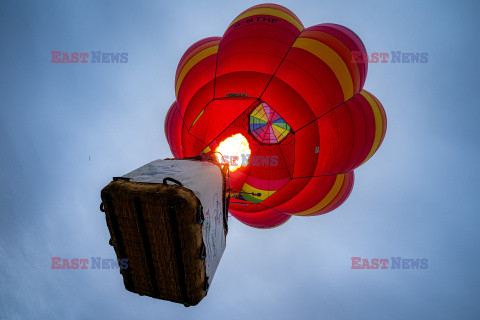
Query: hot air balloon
[{"x": 285, "y": 106}]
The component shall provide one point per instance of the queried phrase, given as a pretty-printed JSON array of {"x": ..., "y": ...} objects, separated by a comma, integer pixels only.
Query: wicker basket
[{"x": 160, "y": 229}]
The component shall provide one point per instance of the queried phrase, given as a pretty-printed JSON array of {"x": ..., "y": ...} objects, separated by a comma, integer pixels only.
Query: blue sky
[{"x": 66, "y": 129}]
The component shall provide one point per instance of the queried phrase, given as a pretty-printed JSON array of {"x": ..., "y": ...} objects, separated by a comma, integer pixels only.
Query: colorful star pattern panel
[{"x": 267, "y": 126}]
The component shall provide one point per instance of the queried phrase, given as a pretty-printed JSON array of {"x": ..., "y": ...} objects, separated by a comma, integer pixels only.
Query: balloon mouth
[{"x": 234, "y": 151}]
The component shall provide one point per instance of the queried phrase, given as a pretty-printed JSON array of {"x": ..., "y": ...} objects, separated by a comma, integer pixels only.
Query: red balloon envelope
[{"x": 289, "y": 105}]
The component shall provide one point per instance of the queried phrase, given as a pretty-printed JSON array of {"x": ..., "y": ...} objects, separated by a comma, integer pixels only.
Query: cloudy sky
[{"x": 66, "y": 129}]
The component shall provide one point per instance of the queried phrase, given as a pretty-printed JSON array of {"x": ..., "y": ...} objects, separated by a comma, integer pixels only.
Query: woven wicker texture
[{"x": 155, "y": 227}]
